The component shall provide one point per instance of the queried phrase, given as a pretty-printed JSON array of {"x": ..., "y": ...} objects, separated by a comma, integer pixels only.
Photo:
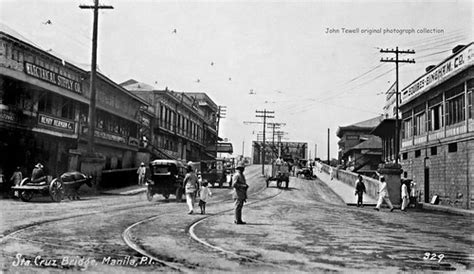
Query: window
[
  {"x": 67, "y": 109},
  {"x": 417, "y": 153},
  {"x": 435, "y": 114},
  {"x": 455, "y": 105},
  {"x": 45, "y": 103},
  {"x": 470, "y": 98},
  {"x": 453, "y": 147},
  {"x": 405, "y": 155},
  {"x": 407, "y": 128},
  {"x": 434, "y": 150},
  {"x": 420, "y": 124}
]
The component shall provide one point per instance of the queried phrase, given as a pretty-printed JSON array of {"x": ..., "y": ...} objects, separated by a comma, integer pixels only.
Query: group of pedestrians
[
  {"x": 192, "y": 185},
  {"x": 383, "y": 193}
]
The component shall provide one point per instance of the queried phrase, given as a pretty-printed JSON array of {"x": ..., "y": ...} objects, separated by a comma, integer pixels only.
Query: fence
[{"x": 349, "y": 178}]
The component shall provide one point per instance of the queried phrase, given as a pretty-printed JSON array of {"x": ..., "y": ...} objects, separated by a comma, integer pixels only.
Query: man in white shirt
[{"x": 383, "y": 195}]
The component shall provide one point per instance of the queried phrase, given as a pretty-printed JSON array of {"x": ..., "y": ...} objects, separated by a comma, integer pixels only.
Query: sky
[{"x": 296, "y": 58}]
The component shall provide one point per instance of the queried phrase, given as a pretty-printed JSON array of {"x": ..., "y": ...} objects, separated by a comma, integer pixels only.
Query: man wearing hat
[
  {"x": 240, "y": 192},
  {"x": 141, "y": 174},
  {"x": 37, "y": 175},
  {"x": 383, "y": 195}
]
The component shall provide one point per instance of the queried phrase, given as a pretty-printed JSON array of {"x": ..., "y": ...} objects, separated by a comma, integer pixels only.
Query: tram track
[
  {"x": 15, "y": 233},
  {"x": 128, "y": 237}
]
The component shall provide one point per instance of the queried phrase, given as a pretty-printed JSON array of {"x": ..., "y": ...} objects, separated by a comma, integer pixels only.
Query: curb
[{"x": 445, "y": 209}]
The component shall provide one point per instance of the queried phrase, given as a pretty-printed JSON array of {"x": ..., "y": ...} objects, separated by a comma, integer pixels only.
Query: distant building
[
  {"x": 185, "y": 125},
  {"x": 437, "y": 137},
  {"x": 386, "y": 128},
  {"x": 359, "y": 150},
  {"x": 290, "y": 151}
]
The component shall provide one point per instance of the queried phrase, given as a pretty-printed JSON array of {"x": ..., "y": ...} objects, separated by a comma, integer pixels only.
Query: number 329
[{"x": 433, "y": 257}]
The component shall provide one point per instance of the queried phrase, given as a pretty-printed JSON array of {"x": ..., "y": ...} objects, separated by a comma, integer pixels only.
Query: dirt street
[{"x": 304, "y": 228}]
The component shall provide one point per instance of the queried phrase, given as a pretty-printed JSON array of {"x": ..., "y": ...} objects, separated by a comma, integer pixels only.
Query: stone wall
[{"x": 349, "y": 178}]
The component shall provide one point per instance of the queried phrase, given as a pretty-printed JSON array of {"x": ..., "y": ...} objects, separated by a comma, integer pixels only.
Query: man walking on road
[
  {"x": 190, "y": 187},
  {"x": 360, "y": 190},
  {"x": 383, "y": 195},
  {"x": 240, "y": 192}
]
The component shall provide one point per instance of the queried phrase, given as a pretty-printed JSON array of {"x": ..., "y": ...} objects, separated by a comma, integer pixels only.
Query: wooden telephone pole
[
  {"x": 91, "y": 130},
  {"x": 396, "y": 61}
]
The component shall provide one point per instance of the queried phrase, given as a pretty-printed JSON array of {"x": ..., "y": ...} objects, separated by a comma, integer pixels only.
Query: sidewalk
[
  {"x": 346, "y": 192},
  {"x": 129, "y": 190}
]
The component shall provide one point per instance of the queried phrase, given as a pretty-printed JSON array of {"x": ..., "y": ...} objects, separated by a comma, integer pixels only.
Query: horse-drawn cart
[
  {"x": 280, "y": 173},
  {"x": 50, "y": 186},
  {"x": 67, "y": 184}
]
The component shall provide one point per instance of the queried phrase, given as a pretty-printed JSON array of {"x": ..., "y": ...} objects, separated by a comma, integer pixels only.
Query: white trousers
[
  {"x": 404, "y": 203},
  {"x": 387, "y": 201},
  {"x": 190, "y": 200}
]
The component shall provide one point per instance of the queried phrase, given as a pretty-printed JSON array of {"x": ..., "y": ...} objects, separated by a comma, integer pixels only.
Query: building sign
[
  {"x": 52, "y": 77},
  {"x": 440, "y": 73},
  {"x": 133, "y": 142},
  {"x": 8, "y": 116},
  {"x": 55, "y": 122},
  {"x": 106, "y": 136}
]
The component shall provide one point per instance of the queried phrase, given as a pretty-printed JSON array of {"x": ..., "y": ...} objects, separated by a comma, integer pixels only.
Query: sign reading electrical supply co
[
  {"x": 52, "y": 77},
  {"x": 448, "y": 68}
]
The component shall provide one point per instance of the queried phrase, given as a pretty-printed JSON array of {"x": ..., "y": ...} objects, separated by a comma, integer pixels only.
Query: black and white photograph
[{"x": 216, "y": 136}]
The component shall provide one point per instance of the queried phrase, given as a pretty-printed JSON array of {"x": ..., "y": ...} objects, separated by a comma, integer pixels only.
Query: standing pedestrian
[
  {"x": 141, "y": 174},
  {"x": 413, "y": 200},
  {"x": 331, "y": 173},
  {"x": 404, "y": 195},
  {"x": 190, "y": 188},
  {"x": 16, "y": 179},
  {"x": 204, "y": 194},
  {"x": 360, "y": 190},
  {"x": 240, "y": 192},
  {"x": 383, "y": 195}
]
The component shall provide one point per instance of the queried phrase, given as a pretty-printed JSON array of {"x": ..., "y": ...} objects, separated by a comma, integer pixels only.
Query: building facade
[
  {"x": 185, "y": 123},
  {"x": 353, "y": 153},
  {"x": 44, "y": 104},
  {"x": 437, "y": 138}
]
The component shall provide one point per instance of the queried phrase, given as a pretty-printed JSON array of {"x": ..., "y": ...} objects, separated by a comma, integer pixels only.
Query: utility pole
[
  {"x": 396, "y": 61},
  {"x": 315, "y": 151},
  {"x": 264, "y": 114},
  {"x": 221, "y": 112},
  {"x": 279, "y": 136},
  {"x": 95, "y": 7},
  {"x": 329, "y": 159}
]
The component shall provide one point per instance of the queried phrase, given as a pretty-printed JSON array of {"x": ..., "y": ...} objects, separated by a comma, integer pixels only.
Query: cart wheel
[
  {"x": 278, "y": 183},
  {"x": 149, "y": 194},
  {"x": 179, "y": 195},
  {"x": 26, "y": 195},
  {"x": 56, "y": 190},
  {"x": 167, "y": 196}
]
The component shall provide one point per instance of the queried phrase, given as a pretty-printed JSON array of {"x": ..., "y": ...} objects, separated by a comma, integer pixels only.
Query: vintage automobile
[
  {"x": 49, "y": 186},
  {"x": 280, "y": 174},
  {"x": 166, "y": 178}
]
